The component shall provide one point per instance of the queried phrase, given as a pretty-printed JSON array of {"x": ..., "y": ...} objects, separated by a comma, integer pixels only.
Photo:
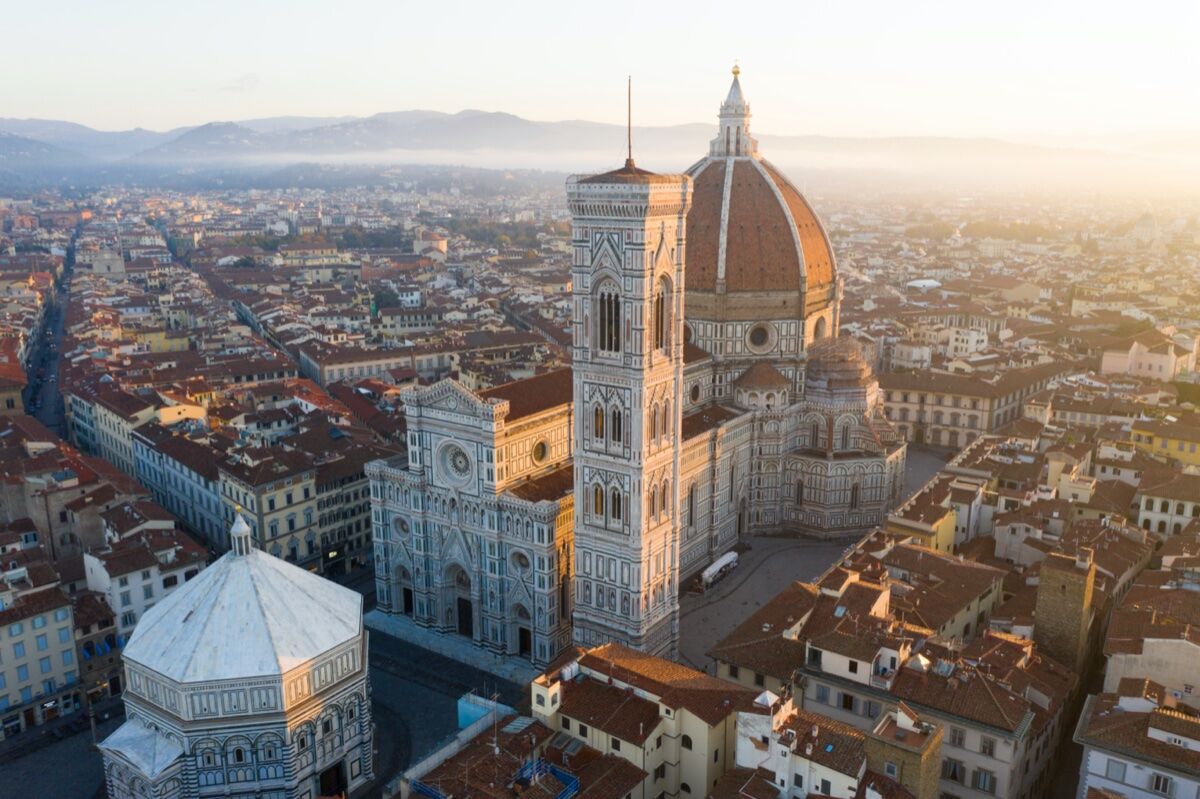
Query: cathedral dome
[{"x": 749, "y": 229}]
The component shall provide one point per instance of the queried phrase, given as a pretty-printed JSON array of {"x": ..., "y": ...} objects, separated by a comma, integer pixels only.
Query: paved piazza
[
  {"x": 763, "y": 571},
  {"x": 66, "y": 769},
  {"x": 922, "y": 463},
  {"x": 414, "y": 699},
  {"x": 770, "y": 564}
]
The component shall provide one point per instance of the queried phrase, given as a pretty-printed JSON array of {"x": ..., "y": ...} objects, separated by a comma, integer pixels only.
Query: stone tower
[
  {"x": 907, "y": 749},
  {"x": 1064, "y": 607},
  {"x": 627, "y": 287}
]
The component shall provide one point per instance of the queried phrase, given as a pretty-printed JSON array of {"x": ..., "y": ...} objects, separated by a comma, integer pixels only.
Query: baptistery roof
[
  {"x": 749, "y": 229},
  {"x": 250, "y": 614}
]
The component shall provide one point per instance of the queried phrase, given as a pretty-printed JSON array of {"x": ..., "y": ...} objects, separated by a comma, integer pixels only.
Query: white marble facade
[{"x": 473, "y": 529}]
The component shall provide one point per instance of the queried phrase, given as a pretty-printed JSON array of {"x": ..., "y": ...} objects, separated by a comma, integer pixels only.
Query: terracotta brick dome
[
  {"x": 749, "y": 229},
  {"x": 773, "y": 240}
]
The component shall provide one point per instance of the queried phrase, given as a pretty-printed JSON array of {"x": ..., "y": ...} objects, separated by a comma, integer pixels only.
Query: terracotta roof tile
[
  {"x": 760, "y": 248},
  {"x": 534, "y": 394},
  {"x": 676, "y": 685}
]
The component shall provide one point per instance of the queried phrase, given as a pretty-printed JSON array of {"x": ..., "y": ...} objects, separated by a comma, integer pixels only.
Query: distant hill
[
  {"x": 93, "y": 144},
  {"x": 492, "y": 139},
  {"x": 26, "y": 164},
  {"x": 21, "y": 153},
  {"x": 276, "y": 124},
  {"x": 216, "y": 141},
  {"x": 105, "y": 145}
]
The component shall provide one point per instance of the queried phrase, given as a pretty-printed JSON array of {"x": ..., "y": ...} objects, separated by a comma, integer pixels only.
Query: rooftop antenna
[{"x": 629, "y": 121}]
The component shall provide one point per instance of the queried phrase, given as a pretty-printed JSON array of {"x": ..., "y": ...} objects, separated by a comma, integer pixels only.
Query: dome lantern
[
  {"x": 239, "y": 537},
  {"x": 733, "y": 137}
]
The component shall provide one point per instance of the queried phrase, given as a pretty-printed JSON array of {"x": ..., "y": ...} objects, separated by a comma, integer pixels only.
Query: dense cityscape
[{"x": 461, "y": 482}]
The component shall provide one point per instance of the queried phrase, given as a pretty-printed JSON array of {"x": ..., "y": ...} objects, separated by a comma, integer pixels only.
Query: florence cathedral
[{"x": 709, "y": 398}]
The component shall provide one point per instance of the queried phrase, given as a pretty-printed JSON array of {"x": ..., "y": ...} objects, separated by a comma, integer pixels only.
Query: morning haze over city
[{"x": 647, "y": 401}]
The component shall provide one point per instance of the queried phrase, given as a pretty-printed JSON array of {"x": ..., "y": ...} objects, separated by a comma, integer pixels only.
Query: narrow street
[{"x": 42, "y": 398}]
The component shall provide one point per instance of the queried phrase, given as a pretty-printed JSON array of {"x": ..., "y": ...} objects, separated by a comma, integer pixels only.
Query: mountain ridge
[
  {"x": 499, "y": 140},
  {"x": 469, "y": 128}
]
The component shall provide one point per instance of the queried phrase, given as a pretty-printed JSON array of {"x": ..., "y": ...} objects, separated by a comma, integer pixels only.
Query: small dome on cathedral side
[
  {"x": 837, "y": 363},
  {"x": 763, "y": 376}
]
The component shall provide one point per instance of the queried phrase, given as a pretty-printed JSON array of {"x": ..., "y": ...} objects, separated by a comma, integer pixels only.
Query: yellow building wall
[{"x": 1155, "y": 448}]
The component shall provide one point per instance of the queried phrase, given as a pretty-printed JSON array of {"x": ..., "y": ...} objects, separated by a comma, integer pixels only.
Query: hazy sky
[{"x": 852, "y": 67}]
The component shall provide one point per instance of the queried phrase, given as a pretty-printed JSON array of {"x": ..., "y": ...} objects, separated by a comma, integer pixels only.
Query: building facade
[
  {"x": 276, "y": 489},
  {"x": 1138, "y": 744},
  {"x": 136, "y": 573},
  {"x": 39, "y": 675},
  {"x": 953, "y": 410},
  {"x": 182, "y": 475},
  {"x": 678, "y": 725},
  {"x": 473, "y": 529}
]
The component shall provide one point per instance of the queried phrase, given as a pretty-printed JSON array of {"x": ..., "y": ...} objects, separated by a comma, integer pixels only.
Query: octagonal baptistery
[
  {"x": 761, "y": 279},
  {"x": 248, "y": 681}
]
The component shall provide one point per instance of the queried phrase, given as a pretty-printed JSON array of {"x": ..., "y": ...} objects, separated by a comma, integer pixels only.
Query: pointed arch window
[
  {"x": 598, "y": 501},
  {"x": 598, "y": 422},
  {"x": 615, "y": 505},
  {"x": 615, "y": 425},
  {"x": 653, "y": 503},
  {"x": 608, "y": 337},
  {"x": 660, "y": 316},
  {"x": 663, "y": 502},
  {"x": 654, "y": 423}
]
